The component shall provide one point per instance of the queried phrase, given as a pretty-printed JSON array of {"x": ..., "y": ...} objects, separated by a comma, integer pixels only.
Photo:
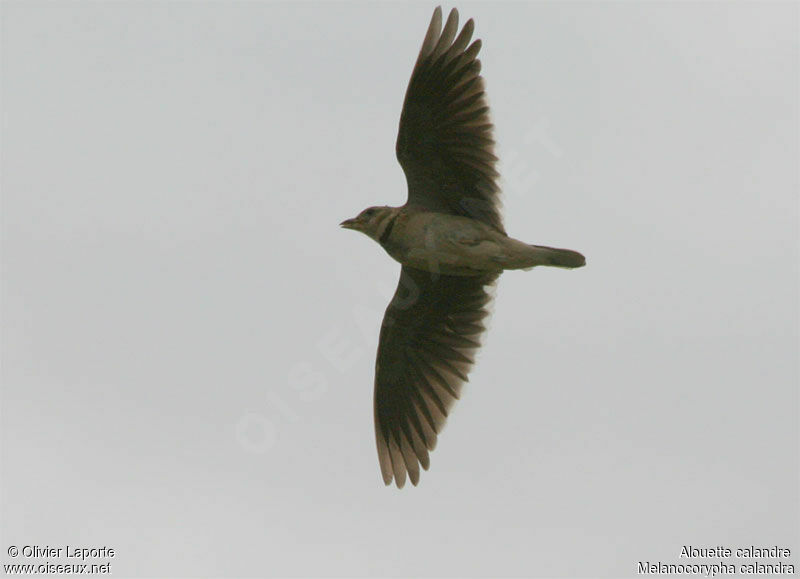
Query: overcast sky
[{"x": 189, "y": 337}]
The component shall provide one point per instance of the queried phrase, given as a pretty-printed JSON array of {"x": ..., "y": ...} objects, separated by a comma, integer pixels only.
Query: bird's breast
[{"x": 441, "y": 243}]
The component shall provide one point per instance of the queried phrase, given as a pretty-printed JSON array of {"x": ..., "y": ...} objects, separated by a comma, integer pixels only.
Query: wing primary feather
[
  {"x": 448, "y": 34},
  {"x": 384, "y": 458},
  {"x": 421, "y": 450},
  {"x": 432, "y": 35},
  {"x": 463, "y": 38},
  {"x": 409, "y": 456},
  {"x": 398, "y": 464}
]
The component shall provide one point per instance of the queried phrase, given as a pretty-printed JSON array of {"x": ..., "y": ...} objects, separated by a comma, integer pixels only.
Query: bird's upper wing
[
  {"x": 445, "y": 143},
  {"x": 430, "y": 332}
]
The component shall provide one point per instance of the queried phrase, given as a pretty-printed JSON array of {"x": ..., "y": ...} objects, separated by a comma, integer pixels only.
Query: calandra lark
[{"x": 450, "y": 240}]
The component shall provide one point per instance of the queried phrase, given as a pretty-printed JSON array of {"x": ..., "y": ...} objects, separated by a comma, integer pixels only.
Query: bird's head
[{"x": 371, "y": 222}]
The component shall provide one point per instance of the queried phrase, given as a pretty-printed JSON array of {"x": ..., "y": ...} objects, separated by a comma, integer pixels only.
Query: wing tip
[
  {"x": 432, "y": 35},
  {"x": 398, "y": 462}
]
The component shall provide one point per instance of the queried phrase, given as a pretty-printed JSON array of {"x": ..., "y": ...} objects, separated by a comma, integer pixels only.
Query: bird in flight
[{"x": 449, "y": 239}]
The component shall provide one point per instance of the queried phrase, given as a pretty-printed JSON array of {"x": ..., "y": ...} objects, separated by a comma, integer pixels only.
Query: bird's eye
[{"x": 369, "y": 213}]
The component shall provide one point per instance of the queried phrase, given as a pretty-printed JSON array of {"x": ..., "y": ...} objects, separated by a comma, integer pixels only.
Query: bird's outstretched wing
[
  {"x": 445, "y": 143},
  {"x": 429, "y": 335}
]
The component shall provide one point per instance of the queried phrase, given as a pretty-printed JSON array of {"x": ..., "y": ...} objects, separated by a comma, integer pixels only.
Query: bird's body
[
  {"x": 449, "y": 238},
  {"x": 456, "y": 245},
  {"x": 448, "y": 244}
]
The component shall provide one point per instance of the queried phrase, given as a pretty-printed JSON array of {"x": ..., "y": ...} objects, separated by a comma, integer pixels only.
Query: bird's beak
[{"x": 349, "y": 223}]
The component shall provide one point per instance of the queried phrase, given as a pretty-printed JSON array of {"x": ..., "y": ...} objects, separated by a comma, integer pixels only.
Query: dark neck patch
[{"x": 388, "y": 231}]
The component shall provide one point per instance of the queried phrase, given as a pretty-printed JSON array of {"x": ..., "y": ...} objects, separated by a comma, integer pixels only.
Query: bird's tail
[
  {"x": 555, "y": 257},
  {"x": 519, "y": 255}
]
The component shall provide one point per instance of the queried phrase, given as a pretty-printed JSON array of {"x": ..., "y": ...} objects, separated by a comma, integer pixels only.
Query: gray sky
[{"x": 189, "y": 338}]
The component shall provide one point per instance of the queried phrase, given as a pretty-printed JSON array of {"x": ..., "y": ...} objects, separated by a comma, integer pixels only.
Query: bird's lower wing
[{"x": 429, "y": 335}]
